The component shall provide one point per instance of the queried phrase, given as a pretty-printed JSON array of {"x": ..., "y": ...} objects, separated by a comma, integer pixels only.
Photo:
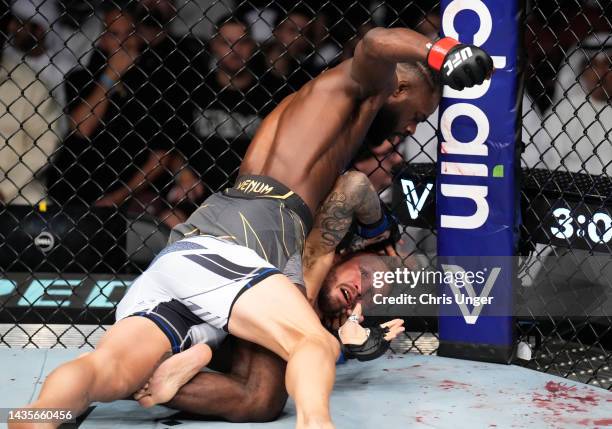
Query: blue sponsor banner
[
  {"x": 32, "y": 297},
  {"x": 476, "y": 182}
]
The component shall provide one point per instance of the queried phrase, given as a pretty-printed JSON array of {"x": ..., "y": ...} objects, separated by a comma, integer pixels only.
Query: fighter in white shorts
[
  {"x": 261, "y": 396},
  {"x": 194, "y": 280}
]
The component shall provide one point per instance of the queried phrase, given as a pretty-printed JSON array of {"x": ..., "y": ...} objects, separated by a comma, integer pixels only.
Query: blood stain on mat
[
  {"x": 591, "y": 423},
  {"x": 450, "y": 384},
  {"x": 561, "y": 400},
  {"x": 553, "y": 387},
  {"x": 419, "y": 419}
]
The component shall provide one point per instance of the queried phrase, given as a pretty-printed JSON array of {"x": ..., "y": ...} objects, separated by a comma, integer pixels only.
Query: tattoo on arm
[
  {"x": 353, "y": 196},
  {"x": 335, "y": 219}
]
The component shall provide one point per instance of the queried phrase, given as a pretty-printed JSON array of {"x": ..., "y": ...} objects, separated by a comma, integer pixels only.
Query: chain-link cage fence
[
  {"x": 118, "y": 118},
  {"x": 566, "y": 189}
]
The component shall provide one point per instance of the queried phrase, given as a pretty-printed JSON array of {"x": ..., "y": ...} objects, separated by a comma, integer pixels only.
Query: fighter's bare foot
[{"x": 172, "y": 374}]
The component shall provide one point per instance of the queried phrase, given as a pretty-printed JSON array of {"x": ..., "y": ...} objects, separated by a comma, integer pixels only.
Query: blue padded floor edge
[{"x": 407, "y": 391}]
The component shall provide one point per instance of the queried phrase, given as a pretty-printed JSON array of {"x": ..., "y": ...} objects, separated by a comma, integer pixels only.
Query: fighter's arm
[
  {"x": 376, "y": 56},
  {"x": 373, "y": 66},
  {"x": 352, "y": 197}
]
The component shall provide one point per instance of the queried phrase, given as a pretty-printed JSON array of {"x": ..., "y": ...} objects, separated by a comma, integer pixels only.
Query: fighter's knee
[
  {"x": 110, "y": 374},
  {"x": 269, "y": 408},
  {"x": 260, "y": 407}
]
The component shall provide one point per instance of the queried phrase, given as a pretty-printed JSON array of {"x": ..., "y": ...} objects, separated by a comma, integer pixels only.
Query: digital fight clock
[
  {"x": 598, "y": 229},
  {"x": 582, "y": 226}
]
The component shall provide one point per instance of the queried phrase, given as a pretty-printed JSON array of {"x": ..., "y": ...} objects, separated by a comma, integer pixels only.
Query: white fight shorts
[{"x": 194, "y": 280}]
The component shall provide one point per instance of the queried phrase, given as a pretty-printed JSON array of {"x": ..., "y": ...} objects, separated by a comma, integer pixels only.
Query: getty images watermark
[
  {"x": 403, "y": 278},
  {"x": 471, "y": 286},
  {"x": 561, "y": 285}
]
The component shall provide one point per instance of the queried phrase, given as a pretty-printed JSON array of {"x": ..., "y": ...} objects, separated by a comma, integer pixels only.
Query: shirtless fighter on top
[{"x": 226, "y": 271}]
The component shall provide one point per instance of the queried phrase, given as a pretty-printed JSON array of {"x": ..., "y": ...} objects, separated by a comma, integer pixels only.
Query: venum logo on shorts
[
  {"x": 456, "y": 146},
  {"x": 250, "y": 186},
  {"x": 44, "y": 241}
]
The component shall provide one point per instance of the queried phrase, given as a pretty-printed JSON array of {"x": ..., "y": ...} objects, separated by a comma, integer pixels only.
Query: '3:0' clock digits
[{"x": 599, "y": 229}]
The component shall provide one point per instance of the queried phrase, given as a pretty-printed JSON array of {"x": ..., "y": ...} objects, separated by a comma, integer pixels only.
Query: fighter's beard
[
  {"x": 383, "y": 125},
  {"x": 325, "y": 300}
]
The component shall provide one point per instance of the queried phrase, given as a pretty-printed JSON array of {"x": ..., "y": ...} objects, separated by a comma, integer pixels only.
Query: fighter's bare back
[{"x": 310, "y": 138}]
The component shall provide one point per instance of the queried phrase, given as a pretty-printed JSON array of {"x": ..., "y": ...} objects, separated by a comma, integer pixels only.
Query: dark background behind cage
[{"x": 118, "y": 118}]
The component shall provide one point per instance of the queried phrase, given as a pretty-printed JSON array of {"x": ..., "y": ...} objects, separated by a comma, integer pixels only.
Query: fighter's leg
[
  {"x": 115, "y": 369},
  {"x": 275, "y": 315},
  {"x": 172, "y": 374},
  {"x": 253, "y": 390}
]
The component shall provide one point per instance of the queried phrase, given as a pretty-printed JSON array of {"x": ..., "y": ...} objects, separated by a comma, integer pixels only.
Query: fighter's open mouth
[{"x": 346, "y": 295}]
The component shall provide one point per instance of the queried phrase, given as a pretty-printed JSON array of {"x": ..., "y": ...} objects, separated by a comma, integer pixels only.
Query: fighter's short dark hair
[{"x": 431, "y": 78}]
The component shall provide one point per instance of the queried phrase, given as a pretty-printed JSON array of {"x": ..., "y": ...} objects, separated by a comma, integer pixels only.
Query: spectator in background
[
  {"x": 259, "y": 17},
  {"x": 29, "y": 119},
  {"x": 551, "y": 31},
  {"x": 576, "y": 135},
  {"x": 572, "y": 65},
  {"x": 230, "y": 104},
  {"x": 262, "y": 16},
  {"x": 340, "y": 26},
  {"x": 172, "y": 68},
  {"x": 46, "y": 44},
  {"x": 78, "y": 28},
  {"x": 120, "y": 152},
  {"x": 301, "y": 28},
  {"x": 293, "y": 32},
  {"x": 290, "y": 53}
]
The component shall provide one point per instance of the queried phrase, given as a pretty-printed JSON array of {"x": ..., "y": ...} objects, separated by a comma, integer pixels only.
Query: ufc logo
[{"x": 457, "y": 59}]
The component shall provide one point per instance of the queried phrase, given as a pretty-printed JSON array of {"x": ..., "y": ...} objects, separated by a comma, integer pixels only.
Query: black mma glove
[
  {"x": 374, "y": 347},
  {"x": 461, "y": 66}
]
